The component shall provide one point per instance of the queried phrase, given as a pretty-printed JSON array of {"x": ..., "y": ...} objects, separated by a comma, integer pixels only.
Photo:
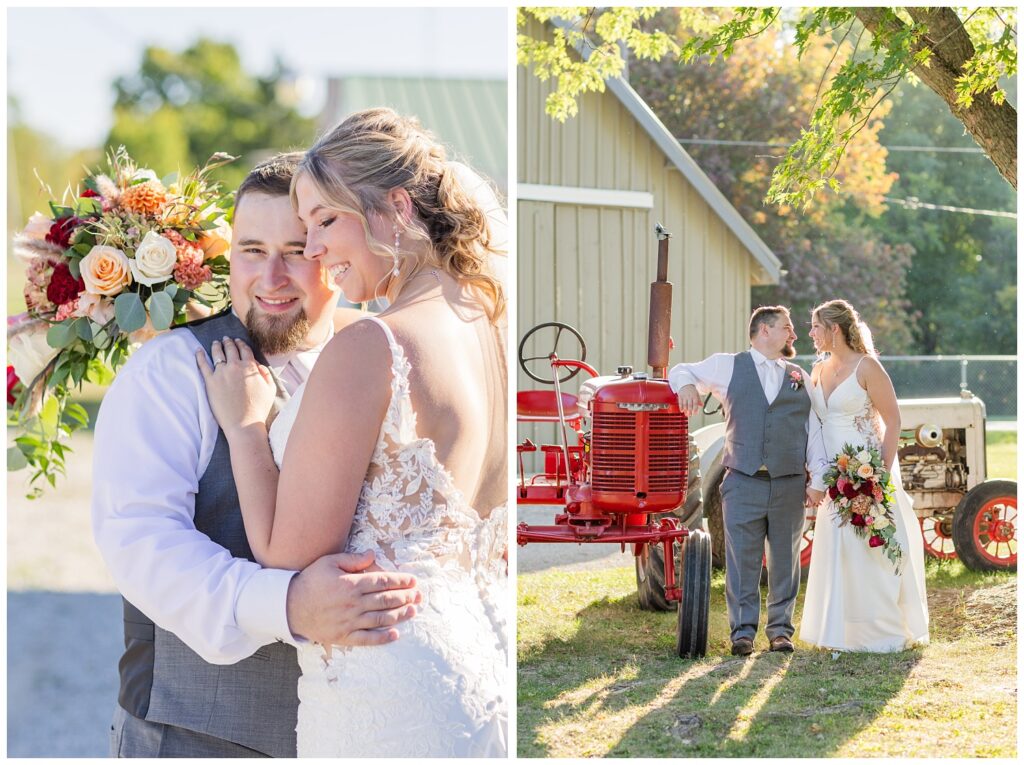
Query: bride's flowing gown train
[
  {"x": 437, "y": 691},
  {"x": 855, "y": 600}
]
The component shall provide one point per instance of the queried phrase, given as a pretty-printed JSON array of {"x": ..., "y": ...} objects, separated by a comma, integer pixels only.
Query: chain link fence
[{"x": 993, "y": 379}]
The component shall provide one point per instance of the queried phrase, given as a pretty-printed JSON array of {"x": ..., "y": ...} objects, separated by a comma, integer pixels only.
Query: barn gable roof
[{"x": 697, "y": 178}]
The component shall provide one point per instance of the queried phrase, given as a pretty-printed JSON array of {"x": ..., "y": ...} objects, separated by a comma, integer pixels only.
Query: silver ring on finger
[{"x": 217, "y": 362}]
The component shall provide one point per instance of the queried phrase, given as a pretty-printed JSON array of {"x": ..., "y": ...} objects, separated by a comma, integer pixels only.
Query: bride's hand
[{"x": 240, "y": 389}]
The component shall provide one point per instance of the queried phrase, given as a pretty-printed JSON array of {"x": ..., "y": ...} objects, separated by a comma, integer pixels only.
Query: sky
[{"x": 61, "y": 63}]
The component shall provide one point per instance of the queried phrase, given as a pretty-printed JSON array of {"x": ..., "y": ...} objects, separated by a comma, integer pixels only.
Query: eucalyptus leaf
[
  {"x": 15, "y": 459},
  {"x": 61, "y": 335},
  {"x": 161, "y": 310},
  {"x": 129, "y": 312},
  {"x": 83, "y": 328}
]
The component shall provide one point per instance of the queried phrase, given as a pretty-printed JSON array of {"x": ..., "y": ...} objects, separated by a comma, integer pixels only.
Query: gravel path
[{"x": 63, "y": 621}]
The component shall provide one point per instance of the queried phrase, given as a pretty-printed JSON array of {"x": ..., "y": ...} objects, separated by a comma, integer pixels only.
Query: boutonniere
[{"x": 796, "y": 380}]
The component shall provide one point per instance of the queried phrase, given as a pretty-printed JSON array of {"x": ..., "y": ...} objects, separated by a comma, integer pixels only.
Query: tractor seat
[{"x": 542, "y": 406}]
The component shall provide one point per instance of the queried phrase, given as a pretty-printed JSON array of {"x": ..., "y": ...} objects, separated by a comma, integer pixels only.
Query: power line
[
  {"x": 913, "y": 203},
  {"x": 766, "y": 144}
]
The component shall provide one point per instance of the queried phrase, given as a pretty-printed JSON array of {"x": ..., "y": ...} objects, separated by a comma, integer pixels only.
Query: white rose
[
  {"x": 154, "y": 260},
  {"x": 877, "y": 511},
  {"x": 29, "y": 353},
  {"x": 864, "y": 457},
  {"x": 880, "y": 522}
]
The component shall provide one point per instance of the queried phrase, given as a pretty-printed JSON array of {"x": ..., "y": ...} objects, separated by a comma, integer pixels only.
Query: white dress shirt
[
  {"x": 713, "y": 375},
  {"x": 155, "y": 435}
]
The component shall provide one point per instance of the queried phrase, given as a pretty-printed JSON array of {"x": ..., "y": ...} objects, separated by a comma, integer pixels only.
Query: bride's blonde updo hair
[
  {"x": 359, "y": 161},
  {"x": 839, "y": 313}
]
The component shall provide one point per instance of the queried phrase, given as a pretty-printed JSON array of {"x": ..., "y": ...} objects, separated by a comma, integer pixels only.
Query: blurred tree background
[
  {"x": 173, "y": 112},
  {"x": 927, "y": 281}
]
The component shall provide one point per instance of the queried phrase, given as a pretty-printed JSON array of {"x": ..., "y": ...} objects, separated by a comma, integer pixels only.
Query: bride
[
  {"x": 397, "y": 444},
  {"x": 855, "y": 599}
]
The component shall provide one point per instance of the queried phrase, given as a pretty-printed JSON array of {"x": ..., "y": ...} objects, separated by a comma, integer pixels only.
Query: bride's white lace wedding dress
[
  {"x": 437, "y": 691},
  {"x": 855, "y": 600}
]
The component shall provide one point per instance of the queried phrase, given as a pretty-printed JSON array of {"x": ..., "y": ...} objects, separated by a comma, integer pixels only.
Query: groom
[
  {"x": 209, "y": 668},
  {"x": 771, "y": 438}
]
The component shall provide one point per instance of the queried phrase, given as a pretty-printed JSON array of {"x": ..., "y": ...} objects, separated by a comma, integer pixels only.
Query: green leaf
[
  {"x": 86, "y": 206},
  {"x": 15, "y": 459},
  {"x": 77, "y": 414},
  {"x": 83, "y": 328},
  {"x": 99, "y": 373},
  {"x": 171, "y": 289},
  {"x": 61, "y": 335},
  {"x": 161, "y": 310},
  {"x": 129, "y": 312}
]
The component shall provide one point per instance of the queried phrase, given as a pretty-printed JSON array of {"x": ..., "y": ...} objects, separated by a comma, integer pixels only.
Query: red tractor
[{"x": 627, "y": 473}]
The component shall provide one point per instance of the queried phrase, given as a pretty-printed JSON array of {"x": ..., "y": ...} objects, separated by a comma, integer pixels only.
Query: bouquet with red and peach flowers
[
  {"x": 861, "y": 494},
  {"x": 124, "y": 257}
]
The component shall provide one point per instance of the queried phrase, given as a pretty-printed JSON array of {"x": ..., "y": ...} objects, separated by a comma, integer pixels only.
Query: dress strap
[{"x": 400, "y": 412}]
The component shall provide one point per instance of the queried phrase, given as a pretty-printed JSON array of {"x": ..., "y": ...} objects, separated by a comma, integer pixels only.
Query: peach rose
[
  {"x": 865, "y": 471},
  {"x": 216, "y": 241},
  {"x": 843, "y": 462},
  {"x": 105, "y": 270}
]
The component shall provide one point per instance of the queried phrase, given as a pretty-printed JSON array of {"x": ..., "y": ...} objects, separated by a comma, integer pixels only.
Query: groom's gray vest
[
  {"x": 252, "y": 703},
  {"x": 761, "y": 434}
]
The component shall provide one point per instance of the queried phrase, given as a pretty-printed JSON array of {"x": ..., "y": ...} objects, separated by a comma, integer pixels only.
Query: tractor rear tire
[
  {"x": 984, "y": 527},
  {"x": 650, "y": 577},
  {"x": 695, "y": 604},
  {"x": 715, "y": 523}
]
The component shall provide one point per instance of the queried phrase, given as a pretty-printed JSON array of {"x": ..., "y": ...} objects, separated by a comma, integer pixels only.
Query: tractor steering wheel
[{"x": 553, "y": 330}]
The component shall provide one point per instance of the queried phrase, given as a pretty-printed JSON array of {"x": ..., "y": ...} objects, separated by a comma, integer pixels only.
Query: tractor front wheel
[
  {"x": 695, "y": 604},
  {"x": 985, "y": 527},
  {"x": 650, "y": 577}
]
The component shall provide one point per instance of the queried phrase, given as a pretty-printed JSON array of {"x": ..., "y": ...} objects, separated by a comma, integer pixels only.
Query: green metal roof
[{"x": 468, "y": 116}]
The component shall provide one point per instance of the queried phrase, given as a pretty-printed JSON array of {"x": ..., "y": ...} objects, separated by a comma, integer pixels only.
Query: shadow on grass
[{"x": 618, "y": 671}]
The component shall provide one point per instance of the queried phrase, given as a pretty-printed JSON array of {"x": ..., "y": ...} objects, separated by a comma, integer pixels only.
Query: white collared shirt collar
[{"x": 760, "y": 358}]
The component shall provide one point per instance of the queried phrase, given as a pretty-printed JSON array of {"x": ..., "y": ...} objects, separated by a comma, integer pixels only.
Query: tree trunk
[{"x": 993, "y": 127}]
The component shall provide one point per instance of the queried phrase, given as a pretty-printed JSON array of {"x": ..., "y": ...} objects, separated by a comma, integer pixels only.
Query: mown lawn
[
  {"x": 1001, "y": 454},
  {"x": 598, "y": 678}
]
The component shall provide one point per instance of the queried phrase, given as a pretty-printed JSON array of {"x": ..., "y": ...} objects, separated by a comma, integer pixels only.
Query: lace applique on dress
[{"x": 439, "y": 689}]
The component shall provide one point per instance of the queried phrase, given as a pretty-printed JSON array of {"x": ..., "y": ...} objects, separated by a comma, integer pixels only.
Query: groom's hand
[
  {"x": 689, "y": 400},
  {"x": 345, "y": 599}
]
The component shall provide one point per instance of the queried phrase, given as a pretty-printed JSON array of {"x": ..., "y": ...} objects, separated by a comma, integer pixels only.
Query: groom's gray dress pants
[
  {"x": 760, "y": 513},
  {"x": 132, "y": 737}
]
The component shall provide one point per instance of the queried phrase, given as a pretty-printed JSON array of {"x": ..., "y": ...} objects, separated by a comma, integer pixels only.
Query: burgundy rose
[
  {"x": 849, "y": 491},
  {"x": 63, "y": 287},
  {"x": 12, "y": 383},
  {"x": 833, "y": 492},
  {"x": 867, "y": 488},
  {"x": 89, "y": 193},
  {"x": 876, "y": 541},
  {"x": 858, "y": 520},
  {"x": 61, "y": 231}
]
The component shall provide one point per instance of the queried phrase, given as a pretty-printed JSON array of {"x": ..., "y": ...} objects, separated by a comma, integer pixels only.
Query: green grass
[
  {"x": 598, "y": 678},
  {"x": 1001, "y": 454}
]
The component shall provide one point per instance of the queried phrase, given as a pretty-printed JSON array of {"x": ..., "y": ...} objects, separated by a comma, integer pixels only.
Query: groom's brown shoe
[
  {"x": 742, "y": 647},
  {"x": 781, "y": 643}
]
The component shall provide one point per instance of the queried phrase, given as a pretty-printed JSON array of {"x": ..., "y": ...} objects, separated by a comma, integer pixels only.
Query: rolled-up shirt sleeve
[
  {"x": 712, "y": 375},
  {"x": 154, "y": 438}
]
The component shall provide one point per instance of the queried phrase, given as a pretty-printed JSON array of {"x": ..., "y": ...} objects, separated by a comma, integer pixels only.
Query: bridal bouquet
[
  {"x": 122, "y": 258},
  {"x": 862, "y": 494}
]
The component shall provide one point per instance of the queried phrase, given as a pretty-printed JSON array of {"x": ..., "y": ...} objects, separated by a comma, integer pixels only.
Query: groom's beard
[
  {"x": 274, "y": 335},
  {"x": 788, "y": 351}
]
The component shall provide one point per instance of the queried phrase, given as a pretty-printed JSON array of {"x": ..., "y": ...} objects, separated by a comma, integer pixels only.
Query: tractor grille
[
  {"x": 613, "y": 447},
  {"x": 614, "y": 453},
  {"x": 666, "y": 456}
]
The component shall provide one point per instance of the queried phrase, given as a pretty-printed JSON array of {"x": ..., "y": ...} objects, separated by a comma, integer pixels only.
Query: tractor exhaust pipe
[{"x": 660, "y": 323}]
